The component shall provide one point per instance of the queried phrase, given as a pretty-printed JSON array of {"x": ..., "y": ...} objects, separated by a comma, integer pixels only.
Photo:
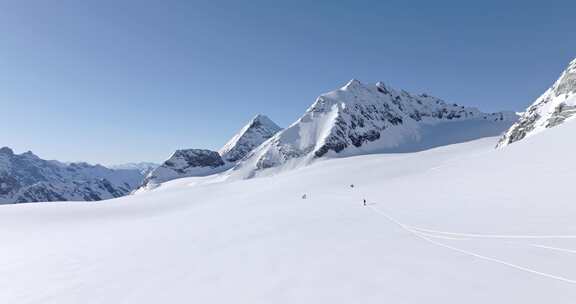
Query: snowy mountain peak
[
  {"x": 261, "y": 118},
  {"x": 200, "y": 162},
  {"x": 554, "y": 107},
  {"x": 360, "y": 119},
  {"x": 259, "y": 129}
]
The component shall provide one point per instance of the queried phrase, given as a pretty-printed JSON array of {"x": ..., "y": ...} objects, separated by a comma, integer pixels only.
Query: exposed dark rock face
[
  {"x": 560, "y": 114},
  {"x": 553, "y": 108},
  {"x": 351, "y": 120},
  {"x": 186, "y": 163},
  {"x": 199, "y": 162},
  {"x": 183, "y": 160}
]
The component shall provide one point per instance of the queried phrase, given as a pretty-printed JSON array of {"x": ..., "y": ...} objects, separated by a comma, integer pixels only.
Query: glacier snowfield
[{"x": 463, "y": 223}]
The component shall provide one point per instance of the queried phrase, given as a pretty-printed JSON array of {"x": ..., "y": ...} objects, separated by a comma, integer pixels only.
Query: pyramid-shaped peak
[
  {"x": 262, "y": 119},
  {"x": 258, "y": 130},
  {"x": 260, "y": 116}
]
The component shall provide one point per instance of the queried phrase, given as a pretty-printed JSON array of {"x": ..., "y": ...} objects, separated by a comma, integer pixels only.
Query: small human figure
[
  {"x": 352, "y": 186},
  {"x": 364, "y": 202},
  {"x": 304, "y": 196}
]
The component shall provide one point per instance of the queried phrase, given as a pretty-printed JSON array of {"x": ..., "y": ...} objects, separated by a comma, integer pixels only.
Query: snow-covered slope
[
  {"x": 28, "y": 178},
  {"x": 359, "y": 119},
  {"x": 556, "y": 105},
  {"x": 443, "y": 225},
  {"x": 201, "y": 162}
]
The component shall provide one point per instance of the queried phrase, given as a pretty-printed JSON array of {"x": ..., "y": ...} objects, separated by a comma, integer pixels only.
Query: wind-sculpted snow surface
[
  {"x": 463, "y": 223},
  {"x": 556, "y": 105},
  {"x": 359, "y": 119},
  {"x": 28, "y": 178}
]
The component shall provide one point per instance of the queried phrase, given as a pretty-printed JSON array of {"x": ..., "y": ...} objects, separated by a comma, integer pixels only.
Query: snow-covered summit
[
  {"x": 258, "y": 130},
  {"x": 28, "y": 178},
  {"x": 360, "y": 118},
  {"x": 201, "y": 162},
  {"x": 554, "y": 107}
]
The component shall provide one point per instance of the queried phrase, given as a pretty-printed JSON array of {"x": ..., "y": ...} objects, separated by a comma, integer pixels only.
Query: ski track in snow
[
  {"x": 554, "y": 248},
  {"x": 493, "y": 236},
  {"x": 429, "y": 237}
]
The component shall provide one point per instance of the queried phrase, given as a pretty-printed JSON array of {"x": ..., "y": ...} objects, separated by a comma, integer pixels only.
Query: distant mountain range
[
  {"x": 352, "y": 120},
  {"x": 28, "y": 178},
  {"x": 359, "y": 119},
  {"x": 355, "y": 119}
]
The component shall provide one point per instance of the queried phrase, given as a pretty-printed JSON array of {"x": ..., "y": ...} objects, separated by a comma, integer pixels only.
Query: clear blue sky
[{"x": 119, "y": 81}]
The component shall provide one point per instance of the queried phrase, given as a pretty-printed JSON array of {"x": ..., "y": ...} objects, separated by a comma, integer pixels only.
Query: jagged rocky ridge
[
  {"x": 186, "y": 163},
  {"x": 28, "y": 178},
  {"x": 359, "y": 119},
  {"x": 201, "y": 162},
  {"x": 554, "y": 107}
]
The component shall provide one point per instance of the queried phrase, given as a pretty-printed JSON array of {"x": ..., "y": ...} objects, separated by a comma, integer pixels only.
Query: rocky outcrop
[
  {"x": 186, "y": 163},
  {"x": 554, "y": 107},
  {"x": 200, "y": 162},
  {"x": 358, "y": 119}
]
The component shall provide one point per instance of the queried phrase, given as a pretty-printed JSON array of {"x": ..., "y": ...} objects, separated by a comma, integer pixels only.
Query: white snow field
[{"x": 463, "y": 223}]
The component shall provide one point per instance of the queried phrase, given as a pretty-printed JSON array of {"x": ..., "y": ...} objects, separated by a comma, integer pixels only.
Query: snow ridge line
[{"x": 428, "y": 239}]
